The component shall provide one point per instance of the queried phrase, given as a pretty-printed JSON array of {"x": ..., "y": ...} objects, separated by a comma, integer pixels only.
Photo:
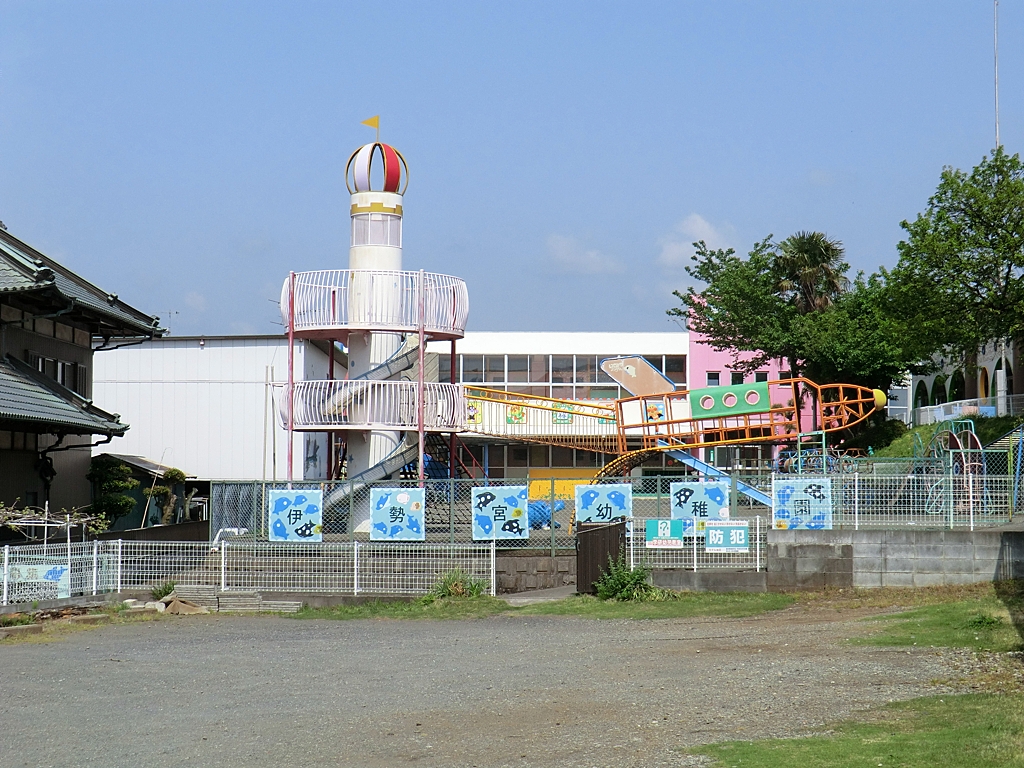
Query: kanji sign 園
[
  {"x": 802, "y": 503},
  {"x": 295, "y": 516},
  {"x": 500, "y": 512},
  {"x": 663, "y": 534},
  {"x": 603, "y": 503},
  {"x": 697, "y": 503},
  {"x": 727, "y": 536},
  {"x": 397, "y": 514}
]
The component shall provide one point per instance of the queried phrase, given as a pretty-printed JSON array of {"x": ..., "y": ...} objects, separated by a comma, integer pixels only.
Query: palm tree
[
  {"x": 811, "y": 270},
  {"x": 811, "y": 275}
]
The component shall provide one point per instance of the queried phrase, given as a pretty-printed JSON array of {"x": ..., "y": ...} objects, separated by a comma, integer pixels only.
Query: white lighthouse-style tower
[{"x": 384, "y": 315}]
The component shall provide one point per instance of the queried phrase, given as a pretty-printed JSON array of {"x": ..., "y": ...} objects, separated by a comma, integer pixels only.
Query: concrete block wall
[
  {"x": 520, "y": 570},
  {"x": 891, "y": 558}
]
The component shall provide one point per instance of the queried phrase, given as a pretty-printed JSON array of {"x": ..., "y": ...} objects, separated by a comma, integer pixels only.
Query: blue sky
[{"x": 563, "y": 155}]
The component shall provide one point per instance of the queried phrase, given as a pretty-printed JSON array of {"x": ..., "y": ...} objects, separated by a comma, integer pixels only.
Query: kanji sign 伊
[{"x": 295, "y": 516}]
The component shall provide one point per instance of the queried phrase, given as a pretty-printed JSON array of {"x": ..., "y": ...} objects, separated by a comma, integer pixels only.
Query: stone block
[
  {"x": 23, "y": 629},
  {"x": 563, "y": 566},
  {"x": 929, "y": 551},
  {"x": 868, "y": 564},
  {"x": 930, "y": 565},
  {"x": 899, "y": 551},
  {"x": 961, "y": 578},
  {"x": 897, "y": 579},
  {"x": 521, "y": 565},
  {"x": 542, "y": 565},
  {"x": 899, "y": 565},
  {"x": 929, "y": 579},
  {"x": 91, "y": 618},
  {"x": 987, "y": 568},
  {"x": 866, "y": 538},
  {"x": 839, "y": 579},
  {"x": 867, "y": 579},
  {"x": 867, "y": 549},
  {"x": 962, "y": 552},
  {"x": 896, "y": 537}
]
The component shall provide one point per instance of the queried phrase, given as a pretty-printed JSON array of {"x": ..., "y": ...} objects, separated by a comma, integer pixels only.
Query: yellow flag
[{"x": 373, "y": 122}]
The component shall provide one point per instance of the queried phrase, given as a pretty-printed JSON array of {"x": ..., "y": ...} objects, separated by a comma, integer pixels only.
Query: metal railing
[
  {"x": 54, "y": 571},
  {"x": 1010, "y": 405},
  {"x": 372, "y": 405},
  {"x": 333, "y": 300},
  {"x": 693, "y": 555}
]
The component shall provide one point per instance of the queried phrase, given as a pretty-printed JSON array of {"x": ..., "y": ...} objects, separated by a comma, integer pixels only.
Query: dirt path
[{"x": 506, "y": 691}]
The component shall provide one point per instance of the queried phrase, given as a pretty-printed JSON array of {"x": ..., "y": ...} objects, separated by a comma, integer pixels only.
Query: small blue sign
[
  {"x": 730, "y": 537},
  {"x": 397, "y": 514},
  {"x": 500, "y": 512},
  {"x": 697, "y": 503},
  {"x": 602, "y": 503},
  {"x": 802, "y": 503},
  {"x": 295, "y": 516},
  {"x": 663, "y": 534}
]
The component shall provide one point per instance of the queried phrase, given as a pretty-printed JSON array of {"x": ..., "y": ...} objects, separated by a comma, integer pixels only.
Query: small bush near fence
[
  {"x": 619, "y": 582},
  {"x": 454, "y": 584}
]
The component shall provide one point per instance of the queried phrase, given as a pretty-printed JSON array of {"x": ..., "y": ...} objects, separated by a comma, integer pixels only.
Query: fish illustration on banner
[
  {"x": 603, "y": 503},
  {"x": 500, "y": 512},
  {"x": 295, "y": 516},
  {"x": 802, "y": 503},
  {"x": 397, "y": 514},
  {"x": 698, "y": 503}
]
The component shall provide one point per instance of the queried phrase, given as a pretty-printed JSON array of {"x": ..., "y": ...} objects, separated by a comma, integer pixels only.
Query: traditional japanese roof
[
  {"x": 33, "y": 402},
  {"x": 36, "y": 278}
]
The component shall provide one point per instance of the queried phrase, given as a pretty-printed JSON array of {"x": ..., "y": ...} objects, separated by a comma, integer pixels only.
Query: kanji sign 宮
[
  {"x": 397, "y": 514},
  {"x": 697, "y": 503},
  {"x": 603, "y": 503},
  {"x": 802, "y": 503},
  {"x": 729, "y": 537},
  {"x": 295, "y": 516},
  {"x": 500, "y": 512}
]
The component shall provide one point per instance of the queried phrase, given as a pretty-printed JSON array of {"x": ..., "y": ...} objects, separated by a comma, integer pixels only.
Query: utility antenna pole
[
  {"x": 170, "y": 316},
  {"x": 995, "y": 33}
]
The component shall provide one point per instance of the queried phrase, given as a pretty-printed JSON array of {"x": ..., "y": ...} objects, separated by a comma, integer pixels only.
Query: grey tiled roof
[
  {"x": 30, "y": 398},
  {"x": 24, "y": 269}
]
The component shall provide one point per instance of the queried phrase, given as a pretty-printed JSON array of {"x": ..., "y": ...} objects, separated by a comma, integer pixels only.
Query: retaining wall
[{"x": 520, "y": 570}]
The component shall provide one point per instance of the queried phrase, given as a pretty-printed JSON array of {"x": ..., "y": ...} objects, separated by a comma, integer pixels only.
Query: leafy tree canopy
[{"x": 960, "y": 278}]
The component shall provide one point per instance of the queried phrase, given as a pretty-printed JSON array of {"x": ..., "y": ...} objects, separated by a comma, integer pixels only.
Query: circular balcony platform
[
  {"x": 372, "y": 405},
  {"x": 331, "y": 304}
]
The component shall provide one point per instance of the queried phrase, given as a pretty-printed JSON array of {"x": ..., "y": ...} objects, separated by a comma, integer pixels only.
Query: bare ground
[{"x": 504, "y": 691}]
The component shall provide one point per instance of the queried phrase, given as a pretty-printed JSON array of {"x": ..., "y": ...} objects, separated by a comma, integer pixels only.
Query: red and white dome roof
[{"x": 357, "y": 170}]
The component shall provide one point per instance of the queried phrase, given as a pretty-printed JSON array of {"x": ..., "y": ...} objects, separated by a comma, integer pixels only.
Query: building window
[
  {"x": 444, "y": 368},
  {"x": 714, "y": 378},
  {"x": 495, "y": 370},
  {"x": 539, "y": 368},
  {"x": 472, "y": 368},
  {"x": 602, "y": 377},
  {"x": 675, "y": 368},
  {"x": 657, "y": 361},
  {"x": 518, "y": 368},
  {"x": 562, "y": 368},
  {"x": 586, "y": 369},
  {"x": 760, "y": 376},
  {"x": 561, "y": 457},
  {"x": 736, "y": 378},
  {"x": 518, "y": 456}
]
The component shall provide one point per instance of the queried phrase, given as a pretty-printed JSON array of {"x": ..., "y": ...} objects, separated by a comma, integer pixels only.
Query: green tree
[
  {"x": 110, "y": 480},
  {"x": 960, "y": 277},
  {"x": 811, "y": 271}
]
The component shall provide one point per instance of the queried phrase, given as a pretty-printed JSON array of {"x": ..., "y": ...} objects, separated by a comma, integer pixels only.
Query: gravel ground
[{"x": 506, "y": 691}]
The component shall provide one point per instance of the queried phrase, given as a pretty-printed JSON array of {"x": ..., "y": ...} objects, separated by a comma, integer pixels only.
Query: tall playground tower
[{"x": 384, "y": 316}]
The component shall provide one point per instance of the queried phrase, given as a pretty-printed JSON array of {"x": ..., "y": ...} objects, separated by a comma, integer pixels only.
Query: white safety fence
[
  {"x": 693, "y": 555},
  {"x": 923, "y": 500},
  {"x": 53, "y": 571}
]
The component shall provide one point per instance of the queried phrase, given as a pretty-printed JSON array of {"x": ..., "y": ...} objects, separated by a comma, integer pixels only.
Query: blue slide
[{"x": 706, "y": 469}]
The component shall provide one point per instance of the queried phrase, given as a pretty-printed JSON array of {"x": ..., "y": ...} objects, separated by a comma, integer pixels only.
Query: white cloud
[
  {"x": 569, "y": 256},
  {"x": 677, "y": 246},
  {"x": 195, "y": 301}
]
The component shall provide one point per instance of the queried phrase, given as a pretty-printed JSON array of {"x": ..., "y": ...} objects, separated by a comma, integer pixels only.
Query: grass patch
[
  {"x": 685, "y": 605},
  {"x": 442, "y": 608},
  {"x": 968, "y": 731}
]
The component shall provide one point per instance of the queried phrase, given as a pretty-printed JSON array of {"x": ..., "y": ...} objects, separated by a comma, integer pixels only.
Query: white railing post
[
  {"x": 120, "y": 550},
  {"x": 494, "y": 568},
  {"x": 223, "y": 570},
  {"x": 7, "y": 570},
  {"x": 95, "y": 565},
  {"x": 757, "y": 544},
  {"x": 695, "y": 545},
  {"x": 856, "y": 501},
  {"x": 355, "y": 567}
]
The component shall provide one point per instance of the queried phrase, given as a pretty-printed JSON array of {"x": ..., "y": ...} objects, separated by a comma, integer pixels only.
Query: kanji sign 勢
[
  {"x": 698, "y": 503},
  {"x": 295, "y": 516},
  {"x": 729, "y": 537},
  {"x": 802, "y": 503},
  {"x": 501, "y": 512},
  {"x": 603, "y": 503},
  {"x": 397, "y": 514}
]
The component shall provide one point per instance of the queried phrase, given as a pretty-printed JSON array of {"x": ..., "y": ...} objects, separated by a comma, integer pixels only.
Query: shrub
[
  {"x": 619, "y": 582},
  {"x": 455, "y": 583},
  {"x": 163, "y": 590},
  {"x": 983, "y": 621}
]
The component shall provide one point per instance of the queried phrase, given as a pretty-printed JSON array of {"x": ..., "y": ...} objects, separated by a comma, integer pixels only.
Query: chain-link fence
[
  {"x": 693, "y": 555},
  {"x": 50, "y": 572}
]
